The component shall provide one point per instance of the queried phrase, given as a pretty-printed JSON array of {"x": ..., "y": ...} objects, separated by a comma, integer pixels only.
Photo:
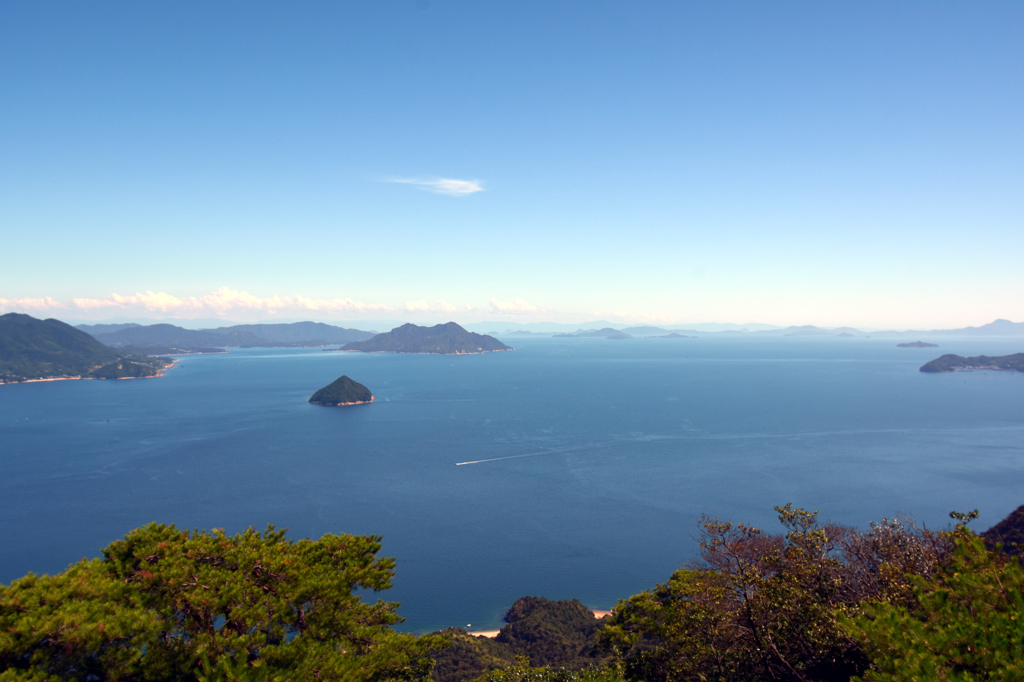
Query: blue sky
[{"x": 834, "y": 163}]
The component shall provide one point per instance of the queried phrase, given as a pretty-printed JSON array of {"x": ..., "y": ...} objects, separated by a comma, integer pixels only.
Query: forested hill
[
  {"x": 446, "y": 339},
  {"x": 957, "y": 363},
  {"x": 50, "y": 349},
  {"x": 343, "y": 391},
  {"x": 169, "y": 336},
  {"x": 549, "y": 633}
]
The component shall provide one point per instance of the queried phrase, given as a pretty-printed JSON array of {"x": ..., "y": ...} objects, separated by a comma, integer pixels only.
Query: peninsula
[
  {"x": 443, "y": 339},
  {"x": 957, "y": 363},
  {"x": 48, "y": 350},
  {"x": 917, "y": 344},
  {"x": 342, "y": 392}
]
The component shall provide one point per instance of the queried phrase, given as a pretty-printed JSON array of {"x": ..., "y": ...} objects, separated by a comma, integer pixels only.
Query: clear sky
[{"x": 831, "y": 163}]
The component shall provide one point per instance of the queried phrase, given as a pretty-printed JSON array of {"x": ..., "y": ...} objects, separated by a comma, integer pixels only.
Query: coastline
[
  {"x": 358, "y": 402},
  {"x": 403, "y": 352},
  {"x": 159, "y": 373}
]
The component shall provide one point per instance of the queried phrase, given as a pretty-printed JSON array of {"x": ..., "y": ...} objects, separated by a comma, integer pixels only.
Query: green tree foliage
[
  {"x": 762, "y": 607},
  {"x": 560, "y": 634},
  {"x": 524, "y": 672},
  {"x": 166, "y": 604},
  {"x": 966, "y": 623},
  {"x": 467, "y": 657}
]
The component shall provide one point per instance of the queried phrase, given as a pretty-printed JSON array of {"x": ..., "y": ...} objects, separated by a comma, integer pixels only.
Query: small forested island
[
  {"x": 47, "y": 350},
  {"x": 673, "y": 335},
  {"x": 958, "y": 363},
  {"x": 341, "y": 392},
  {"x": 917, "y": 344},
  {"x": 444, "y": 339}
]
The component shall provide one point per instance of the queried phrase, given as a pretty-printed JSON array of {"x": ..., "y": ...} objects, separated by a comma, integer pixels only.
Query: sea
[{"x": 567, "y": 468}]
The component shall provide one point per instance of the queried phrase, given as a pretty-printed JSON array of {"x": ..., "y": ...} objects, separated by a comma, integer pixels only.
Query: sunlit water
[{"x": 603, "y": 456}]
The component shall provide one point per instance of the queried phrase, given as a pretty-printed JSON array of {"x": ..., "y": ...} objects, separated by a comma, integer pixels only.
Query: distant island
[
  {"x": 917, "y": 344},
  {"x": 47, "y": 350},
  {"x": 606, "y": 333},
  {"x": 342, "y": 392},
  {"x": 957, "y": 363},
  {"x": 673, "y": 335},
  {"x": 444, "y": 339}
]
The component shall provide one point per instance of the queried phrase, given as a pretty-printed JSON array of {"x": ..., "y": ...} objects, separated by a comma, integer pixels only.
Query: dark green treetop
[{"x": 166, "y": 604}]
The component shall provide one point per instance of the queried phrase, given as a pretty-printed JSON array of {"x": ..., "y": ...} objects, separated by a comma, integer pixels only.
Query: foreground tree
[
  {"x": 173, "y": 605},
  {"x": 966, "y": 624},
  {"x": 763, "y": 607}
]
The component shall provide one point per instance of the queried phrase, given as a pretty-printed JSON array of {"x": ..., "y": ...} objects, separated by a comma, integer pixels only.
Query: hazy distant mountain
[
  {"x": 95, "y": 329},
  {"x": 447, "y": 339},
  {"x": 306, "y": 332},
  {"x": 538, "y": 327},
  {"x": 168, "y": 337},
  {"x": 811, "y": 330},
  {"x": 606, "y": 333},
  {"x": 712, "y": 327},
  {"x": 997, "y": 328},
  {"x": 44, "y": 349},
  {"x": 806, "y": 330},
  {"x": 645, "y": 331}
]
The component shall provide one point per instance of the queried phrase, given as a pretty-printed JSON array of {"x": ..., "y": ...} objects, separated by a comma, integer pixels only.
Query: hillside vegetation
[
  {"x": 342, "y": 391},
  {"x": 547, "y": 633},
  {"x": 47, "y": 349},
  {"x": 819, "y": 603}
]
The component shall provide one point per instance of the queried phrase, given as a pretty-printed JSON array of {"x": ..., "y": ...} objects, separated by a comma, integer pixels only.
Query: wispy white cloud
[
  {"x": 15, "y": 304},
  {"x": 227, "y": 303},
  {"x": 448, "y": 186},
  {"x": 515, "y": 306},
  {"x": 224, "y": 300}
]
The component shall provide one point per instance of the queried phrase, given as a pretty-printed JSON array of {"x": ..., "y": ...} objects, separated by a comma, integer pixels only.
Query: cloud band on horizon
[{"x": 227, "y": 300}]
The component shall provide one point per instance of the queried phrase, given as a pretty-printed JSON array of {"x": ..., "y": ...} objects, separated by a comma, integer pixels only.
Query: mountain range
[{"x": 168, "y": 337}]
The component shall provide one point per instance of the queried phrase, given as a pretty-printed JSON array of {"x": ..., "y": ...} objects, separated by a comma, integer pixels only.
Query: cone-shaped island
[{"x": 342, "y": 392}]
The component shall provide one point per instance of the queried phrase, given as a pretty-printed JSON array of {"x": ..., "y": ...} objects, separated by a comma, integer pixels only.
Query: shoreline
[
  {"x": 358, "y": 402},
  {"x": 159, "y": 373},
  {"x": 404, "y": 352}
]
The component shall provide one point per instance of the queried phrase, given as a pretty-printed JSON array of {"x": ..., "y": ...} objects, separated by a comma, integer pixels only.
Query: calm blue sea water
[{"x": 605, "y": 453}]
